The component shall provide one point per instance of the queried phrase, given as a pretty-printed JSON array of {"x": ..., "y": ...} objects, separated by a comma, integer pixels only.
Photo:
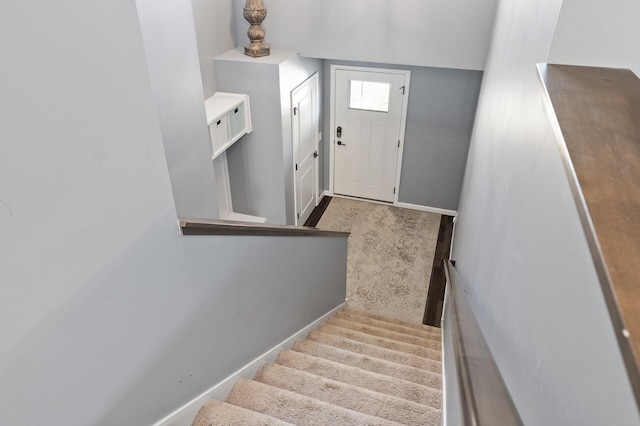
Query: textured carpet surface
[
  {"x": 376, "y": 351},
  {"x": 391, "y": 253},
  {"x": 381, "y": 341},
  {"x": 342, "y": 376},
  {"x": 348, "y": 396},
  {"x": 218, "y": 413},
  {"x": 427, "y": 334}
]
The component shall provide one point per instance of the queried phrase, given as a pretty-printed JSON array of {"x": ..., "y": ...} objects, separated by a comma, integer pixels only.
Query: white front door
[
  {"x": 369, "y": 116},
  {"x": 305, "y": 127}
]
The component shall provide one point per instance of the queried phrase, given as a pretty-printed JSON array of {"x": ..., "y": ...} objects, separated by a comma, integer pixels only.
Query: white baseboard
[
  {"x": 408, "y": 206},
  {"x": 184, "y": 415},
  {"x": 436, "y": 210},
  {"x": 326, "y": 193},
  {"x": 453, "y": 237}
]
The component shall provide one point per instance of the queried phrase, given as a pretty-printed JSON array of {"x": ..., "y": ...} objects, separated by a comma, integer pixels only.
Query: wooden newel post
[{"x": 255, "y": 13}]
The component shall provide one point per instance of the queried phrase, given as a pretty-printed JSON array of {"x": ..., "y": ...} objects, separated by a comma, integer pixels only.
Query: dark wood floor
[
  {"x": 437, "y": 283},
  {"x": 317, "y": 213}
]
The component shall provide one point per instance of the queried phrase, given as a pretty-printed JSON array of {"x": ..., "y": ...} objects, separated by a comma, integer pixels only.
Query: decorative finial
[{"x": 255, "y": 13}]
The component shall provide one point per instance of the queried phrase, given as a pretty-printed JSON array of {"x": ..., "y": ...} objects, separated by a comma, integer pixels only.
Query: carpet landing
[
  {"x": 358, "y": 369},
  {"x": 390, "y": 256}
]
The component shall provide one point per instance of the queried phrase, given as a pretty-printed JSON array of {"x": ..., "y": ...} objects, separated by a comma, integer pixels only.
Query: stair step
[
  {"x": 395, "y": 345},
  {"x": 296, "y": 408},
  {"x": 393, "y": 320},
  {"x": 425, "y": 334},
  {"x": 376, "y": 351},
  {"x": 381, "y": 332},
  {"x": 373, "y": 381},
  {"x": 375, "y": 365},
  {"x": 218, "y": 413},
  {"x": 348, "y": 396}
]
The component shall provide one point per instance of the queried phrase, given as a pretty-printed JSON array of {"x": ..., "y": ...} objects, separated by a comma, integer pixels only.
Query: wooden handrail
[
  {"x": 484, "y": 397},
  {"x": 595, "y": 115},
  {"x": 191, "y": 226}
]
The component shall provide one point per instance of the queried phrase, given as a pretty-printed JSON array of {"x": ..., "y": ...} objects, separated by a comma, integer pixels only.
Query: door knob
[
  {"x": 315, "y": 154},
  {"x": 340, "y": 143}
]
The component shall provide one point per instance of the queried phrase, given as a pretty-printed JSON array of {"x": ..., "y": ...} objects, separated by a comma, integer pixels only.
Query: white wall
[
  {"x": 521, "y": 250},
  {"x": 598, "y": 33},
  {"x": 261, "y": 163},
  {"x": 216, "y": 33},
  {"x": 172, "y": 58},
  {"x": 107, "y": 314},
  {"x": 411, "y": 32}
]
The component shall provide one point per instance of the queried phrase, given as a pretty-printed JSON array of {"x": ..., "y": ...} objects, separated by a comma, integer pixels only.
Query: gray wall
[
  {"x": 597, "y": 33},
  {"x": 414, "y": 32},
  {"x": 442, "y": 105},
  {"x": 520, "y": 248},
  {"x": 260, "y": 164},
  {"x": 170, "y": 46},
  {"x": 216, "y": 33},
  {"x": 107, "y": 314}
]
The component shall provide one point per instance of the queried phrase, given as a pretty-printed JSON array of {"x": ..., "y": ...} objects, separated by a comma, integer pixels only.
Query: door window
[{"x": 369, "y": 95}]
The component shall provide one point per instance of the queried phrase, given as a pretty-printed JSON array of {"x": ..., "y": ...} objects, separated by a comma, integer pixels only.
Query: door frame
[
  {"x": 315, "y": 80},
  {"x": 332, "y": 122}
]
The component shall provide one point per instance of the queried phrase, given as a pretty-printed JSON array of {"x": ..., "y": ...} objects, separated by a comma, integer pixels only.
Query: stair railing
[
  {"x": 191, "y": 226},
  {"x": 483, "y": 396}
]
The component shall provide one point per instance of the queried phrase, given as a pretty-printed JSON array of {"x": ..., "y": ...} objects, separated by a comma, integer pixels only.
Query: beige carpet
[
  {"x": 391, "y": 253},
  {"x": 329, "y": 379}
]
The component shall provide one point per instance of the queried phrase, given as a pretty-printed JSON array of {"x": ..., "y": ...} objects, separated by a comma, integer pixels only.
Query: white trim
[
  {"x": 407, "y": 206},
  {"x": 453, "y": 237},
  {"x": 184, "y": 415},
  {"x": 314, "y": 78},
  {"x": 403, "y": 118},
  {"x": 445, "y": 377},
  {"x": 326, "y": 193},
  {"x": 437, "y": 210},
  {"x": 330, "y": 138},
  {"x": 366, "y": 200}
]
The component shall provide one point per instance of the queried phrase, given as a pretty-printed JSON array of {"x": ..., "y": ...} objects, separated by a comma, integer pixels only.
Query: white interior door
[
  {"x": 369, "y": 114},
  {"x": 305, "y": 127}
]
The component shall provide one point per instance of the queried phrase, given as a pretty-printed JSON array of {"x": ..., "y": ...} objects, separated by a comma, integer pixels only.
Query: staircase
[{"x": 356, "y": 369}]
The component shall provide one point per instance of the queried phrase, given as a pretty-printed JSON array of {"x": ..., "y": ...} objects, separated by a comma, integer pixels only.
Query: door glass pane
[{"x": 369, "y": 95}]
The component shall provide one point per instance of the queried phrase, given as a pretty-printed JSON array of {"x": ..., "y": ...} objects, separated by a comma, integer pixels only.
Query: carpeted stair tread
[
  {"x": 395, "y": 345},
  {"x": 381, "y": 332},
  {"x": 393, "y": 320},
  {"x": 375, "y": 351},
  {"x": 218, "y": 413},
  {"x": 349, "y": 396},
  {"x": 367, "y": 363},
  {"x": 373, "y": 381},
  {"x": 296, "y": 408},
  {"x": 390, "y": 326}
]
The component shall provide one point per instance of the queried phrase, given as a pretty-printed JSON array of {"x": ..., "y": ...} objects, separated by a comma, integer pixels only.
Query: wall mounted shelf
[{"x": 228, "y": 118}]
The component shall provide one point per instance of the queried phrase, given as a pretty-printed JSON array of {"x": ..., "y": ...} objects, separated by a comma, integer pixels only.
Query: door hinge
[
  {"x": 394, "y": 190},
  {"x": 296, "y": 167},
  {"x": 398, "y": 143},
  {"x": 298, "y": 216},
  {"x": 403, "y": 89},
  {"x": 295, "y": 110}
]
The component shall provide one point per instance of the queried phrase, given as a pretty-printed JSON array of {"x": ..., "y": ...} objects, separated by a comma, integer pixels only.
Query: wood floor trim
[
  {"x": 317, "y": 213},
  {"x": 437, "y": 283}
]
